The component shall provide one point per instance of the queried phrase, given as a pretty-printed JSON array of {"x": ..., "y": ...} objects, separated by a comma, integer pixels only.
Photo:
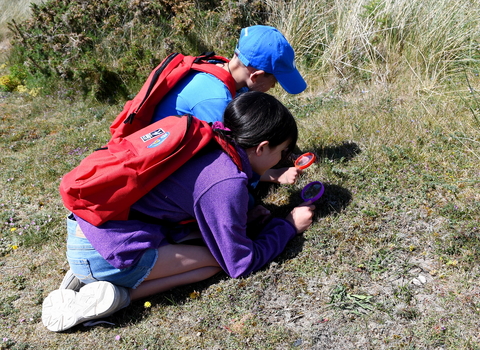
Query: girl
[{"x": 121, "y": 261}]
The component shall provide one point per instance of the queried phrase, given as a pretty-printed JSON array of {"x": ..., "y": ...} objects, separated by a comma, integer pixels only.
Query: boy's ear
[
  {"x": 255, "y": 75},
  {"x": 261, "y": 148}
]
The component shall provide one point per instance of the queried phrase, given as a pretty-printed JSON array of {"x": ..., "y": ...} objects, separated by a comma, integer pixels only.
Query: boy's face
[{"x": 260, "y": 81}]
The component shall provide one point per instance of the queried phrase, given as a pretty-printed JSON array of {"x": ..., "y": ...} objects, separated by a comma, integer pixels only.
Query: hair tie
[{"x": 219, "y": 125}]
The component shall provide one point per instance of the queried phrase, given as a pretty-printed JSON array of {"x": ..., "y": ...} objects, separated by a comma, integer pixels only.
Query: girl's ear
[{"x": 261, "y": 148}]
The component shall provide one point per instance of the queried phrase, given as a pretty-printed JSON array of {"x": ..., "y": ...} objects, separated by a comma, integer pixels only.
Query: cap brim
[{"x": 293, "y": 83}]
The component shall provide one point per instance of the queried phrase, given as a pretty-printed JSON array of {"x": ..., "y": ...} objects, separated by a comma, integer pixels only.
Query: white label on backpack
[
  {"x": 152, "y": 134},
  {"x": 158, "y": 141}
]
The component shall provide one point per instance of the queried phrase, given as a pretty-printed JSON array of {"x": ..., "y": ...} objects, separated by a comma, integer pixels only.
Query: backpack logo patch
[
  {"x": 159, "y": 141},
  {"x": 152, "y": 134}
]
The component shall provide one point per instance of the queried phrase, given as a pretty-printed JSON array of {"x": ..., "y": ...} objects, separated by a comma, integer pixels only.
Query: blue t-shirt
[{"x": 200, "y": 94}]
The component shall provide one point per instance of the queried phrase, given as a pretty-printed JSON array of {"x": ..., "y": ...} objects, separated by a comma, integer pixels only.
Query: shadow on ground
[{"x": 345, "y": 151}]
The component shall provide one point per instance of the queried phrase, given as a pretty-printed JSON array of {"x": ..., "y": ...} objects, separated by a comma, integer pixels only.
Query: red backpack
[
  {"x": 138, "y": 112},
  {"x": 140, "y": 155},
  {"x": 108, "y": 181}
]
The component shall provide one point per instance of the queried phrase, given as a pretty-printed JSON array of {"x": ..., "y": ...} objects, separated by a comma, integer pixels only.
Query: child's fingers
[{"x": 307, "y": 204}]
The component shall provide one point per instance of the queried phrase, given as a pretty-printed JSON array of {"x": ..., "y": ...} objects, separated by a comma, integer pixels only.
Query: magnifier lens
[
  {"x": 313, "y": 191},
  {"x": 305, "y": 160}
]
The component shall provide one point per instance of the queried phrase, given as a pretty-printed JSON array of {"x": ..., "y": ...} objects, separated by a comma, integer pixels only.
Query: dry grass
[
  {"x": 416, "y": 43},
  {"x": 18, "y": 10}
]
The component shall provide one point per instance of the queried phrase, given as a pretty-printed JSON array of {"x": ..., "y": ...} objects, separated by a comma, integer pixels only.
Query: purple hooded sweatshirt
[{"x": 210, "y": 189}]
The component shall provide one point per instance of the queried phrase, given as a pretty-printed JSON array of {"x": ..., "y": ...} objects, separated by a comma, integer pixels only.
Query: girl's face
[{"x": 264, "y": 157}]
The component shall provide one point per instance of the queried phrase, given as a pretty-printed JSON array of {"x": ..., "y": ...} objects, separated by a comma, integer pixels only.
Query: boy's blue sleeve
[{"x": 210, "y": 110}]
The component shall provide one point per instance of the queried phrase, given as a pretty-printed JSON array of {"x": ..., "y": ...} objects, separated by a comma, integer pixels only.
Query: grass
[
  {"x": 401, "y": 202},
  {"x": 391, "y": 262}
]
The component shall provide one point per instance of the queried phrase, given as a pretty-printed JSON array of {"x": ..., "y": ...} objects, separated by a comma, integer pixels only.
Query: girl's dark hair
[{"x": 255, "y": 116}]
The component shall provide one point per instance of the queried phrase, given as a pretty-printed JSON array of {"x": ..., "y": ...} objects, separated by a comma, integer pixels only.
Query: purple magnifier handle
[{"x": 313, "y": 191}]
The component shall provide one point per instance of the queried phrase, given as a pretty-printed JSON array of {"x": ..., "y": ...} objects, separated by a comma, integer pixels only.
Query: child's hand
[
  {"x": 283, "y": 176},
  {"x": 301, "y": 216},
  {"x": 289, "y": 176}
]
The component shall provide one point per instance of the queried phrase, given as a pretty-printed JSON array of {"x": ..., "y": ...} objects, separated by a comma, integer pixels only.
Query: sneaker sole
[{"x": 65, "y": 308}]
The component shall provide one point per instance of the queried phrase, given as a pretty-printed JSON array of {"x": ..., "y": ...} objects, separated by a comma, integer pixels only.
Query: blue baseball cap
[{"x": 265, "y": 48}]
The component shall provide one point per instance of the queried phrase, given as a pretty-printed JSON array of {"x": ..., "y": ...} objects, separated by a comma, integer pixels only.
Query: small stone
[{"x": 416, "y": 282}]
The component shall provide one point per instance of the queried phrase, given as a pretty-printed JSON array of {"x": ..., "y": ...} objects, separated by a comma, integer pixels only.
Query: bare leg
[
  {"x": 163, "y": 284},
  {"x": 176, "y": 259},
  {"x": 177, "y": 265}
]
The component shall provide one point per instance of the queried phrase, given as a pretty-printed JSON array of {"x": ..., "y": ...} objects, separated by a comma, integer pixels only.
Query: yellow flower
[
  {"x": 8, "y": 83},
  {"x": 147, "y": 304},
  {"x": 194, "y": 295},
  {"x": 34, "y": 92},
  {"x": 13, "y": 229},
  {"x": 14, "y": 247},
  {"x": 21, "y": 88},
  {"x": 452, "y": 263}
]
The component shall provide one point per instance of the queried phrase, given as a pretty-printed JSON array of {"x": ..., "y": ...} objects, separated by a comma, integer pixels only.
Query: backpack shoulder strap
[{"x": 202, "y": 63}]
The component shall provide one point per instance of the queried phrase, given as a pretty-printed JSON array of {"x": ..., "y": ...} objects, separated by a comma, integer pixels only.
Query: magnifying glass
[
  {"x": 313, "y": 191},
  {"x": 305, "y": 160}
]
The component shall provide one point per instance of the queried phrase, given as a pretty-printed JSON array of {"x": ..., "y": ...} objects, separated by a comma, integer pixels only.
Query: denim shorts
[{"x": 89, "y": 266}]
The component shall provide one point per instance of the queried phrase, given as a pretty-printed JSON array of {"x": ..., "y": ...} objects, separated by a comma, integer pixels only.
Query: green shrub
[{"x": 107, "y": 48}]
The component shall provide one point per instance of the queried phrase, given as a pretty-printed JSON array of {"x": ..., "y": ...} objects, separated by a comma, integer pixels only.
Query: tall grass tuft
[
  {"x": 18, "y": 10},
  {"x": 382, "y": 40}
]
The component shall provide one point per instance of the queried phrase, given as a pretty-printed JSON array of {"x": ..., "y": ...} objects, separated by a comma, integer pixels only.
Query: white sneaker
[
  {"x": 70, "y": 281},
  {"x": 65, "y": 308}
]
